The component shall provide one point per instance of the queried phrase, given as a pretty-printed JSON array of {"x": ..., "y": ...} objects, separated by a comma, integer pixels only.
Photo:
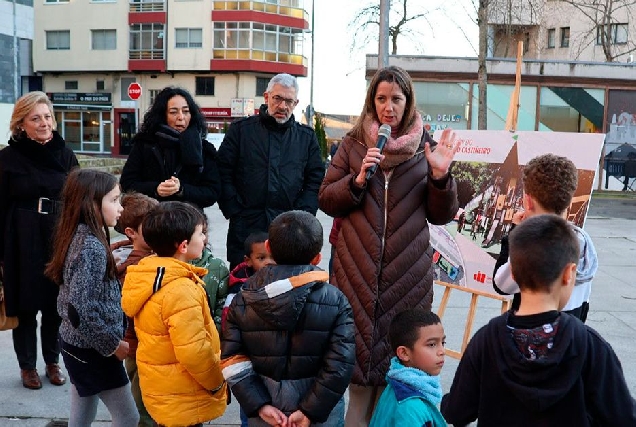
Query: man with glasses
[{"x": 269, "y": 164}]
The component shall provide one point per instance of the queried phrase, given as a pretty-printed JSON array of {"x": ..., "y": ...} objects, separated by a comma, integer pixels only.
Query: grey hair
[{"x": 285, "y": 80}]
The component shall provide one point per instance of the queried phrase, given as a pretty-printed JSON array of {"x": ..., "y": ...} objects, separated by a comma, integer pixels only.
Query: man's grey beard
[{"x": 279, "y": 121}]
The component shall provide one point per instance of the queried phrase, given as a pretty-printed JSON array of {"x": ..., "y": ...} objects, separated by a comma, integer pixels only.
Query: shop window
[
  {"x": 442, "y": 105},
  {"x": 188, "y": 37},
  {"x": 571, "y": 109},
  {"x": 204, "y": 86},
  {"x": 499, "y": 102},
  {"x": 58, "y": 40},
  {"x": 71, "y": 85},
  {"x": 565, "y": 36},
  {"x": 103, "y": 39}
]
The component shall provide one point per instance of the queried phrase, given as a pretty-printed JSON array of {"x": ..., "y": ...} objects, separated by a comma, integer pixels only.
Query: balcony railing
[
  {"x": 145, "y": 54},
  {"x": 259, "y": 55},
  {"x": 279, "y": 9},
  {"x": 147, "y": 6}
]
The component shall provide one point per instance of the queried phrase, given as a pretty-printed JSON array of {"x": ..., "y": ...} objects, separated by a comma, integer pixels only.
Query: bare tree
[
  {"x": 607, "y": 22},
  {"x": 366, "y": 23}
]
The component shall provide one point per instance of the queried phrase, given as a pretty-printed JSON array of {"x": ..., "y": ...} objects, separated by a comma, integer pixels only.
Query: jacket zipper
[{"x": 387, "y": 178}]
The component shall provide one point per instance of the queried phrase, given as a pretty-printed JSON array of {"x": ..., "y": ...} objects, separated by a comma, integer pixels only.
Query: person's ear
[
  {"x": 569, "y": 274},
  {"x": 528, "y": 203},
  {"x": 268, "y": 248},
  {"x": 403, "y": 353},
  {"x": 130, "y": 232},
  {"x": 316, "y": 260},
  {"x": 182, "y": 248}
]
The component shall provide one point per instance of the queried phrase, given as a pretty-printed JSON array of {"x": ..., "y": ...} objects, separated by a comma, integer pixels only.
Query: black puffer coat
[
  {"x": 266, "y": 168},
  {"x": 289, "y": 342},
  {"x": 28, "y": 171}
]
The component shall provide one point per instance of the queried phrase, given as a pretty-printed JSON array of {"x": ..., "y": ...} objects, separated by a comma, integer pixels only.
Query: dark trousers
[{"x": 25, "y": 341}]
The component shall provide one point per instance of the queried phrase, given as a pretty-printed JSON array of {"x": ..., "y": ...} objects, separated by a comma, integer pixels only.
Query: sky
[{"x": 339, "y": 83}]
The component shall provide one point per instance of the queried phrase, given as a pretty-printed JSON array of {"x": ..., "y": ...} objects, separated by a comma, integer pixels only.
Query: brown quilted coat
[{"x": 383, "y": 256}]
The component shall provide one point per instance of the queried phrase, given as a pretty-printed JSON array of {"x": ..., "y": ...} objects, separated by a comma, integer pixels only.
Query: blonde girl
[{"x": 89, "y": 300}]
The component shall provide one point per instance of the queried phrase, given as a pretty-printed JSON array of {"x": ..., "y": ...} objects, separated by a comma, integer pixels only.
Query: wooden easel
[
  {"x": 472, "y": 309},
  {"x": 511, "y": 125}
]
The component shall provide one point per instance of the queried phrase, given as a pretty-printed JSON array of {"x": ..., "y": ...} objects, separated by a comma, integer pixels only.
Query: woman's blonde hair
[{"x": 23, "y": 107}]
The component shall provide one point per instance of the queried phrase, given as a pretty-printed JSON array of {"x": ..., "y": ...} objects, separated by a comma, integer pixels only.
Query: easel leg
[
  {"x": 469, "y": 321},
  {"x": 443, "y": 302}
]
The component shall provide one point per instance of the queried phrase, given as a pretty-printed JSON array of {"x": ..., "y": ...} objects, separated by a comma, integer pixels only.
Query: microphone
[{"x": 383, "y": 135}]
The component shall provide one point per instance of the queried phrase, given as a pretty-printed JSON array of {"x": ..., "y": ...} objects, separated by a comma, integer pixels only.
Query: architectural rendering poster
[{"x": 488, "y": 169}]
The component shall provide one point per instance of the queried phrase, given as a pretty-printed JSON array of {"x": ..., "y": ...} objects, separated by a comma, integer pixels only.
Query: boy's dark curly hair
[{"x": 551, "y": 180}]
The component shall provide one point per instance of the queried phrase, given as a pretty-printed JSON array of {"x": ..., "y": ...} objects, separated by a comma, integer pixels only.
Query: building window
[
  {"x": 614, "y": 33},
  {"x": 565, "y": 36},
  {"x": 55, "y": 1},
  {"x": 58, "y": 40},
  {"x": 188, "y": 37},
  {"x": 152, "y": 93},
  {"x": 257, "y": 41},
  {"x": 71, "y": 85},
  {"x": 261, "y": 85},
  {"x": 204, "y": 86},
  {"x": 551, "y": 38},
  {"x": 100, "y": 85},
  {"x": 103, "y": 39},
  {"x": 146, "y": 41}
]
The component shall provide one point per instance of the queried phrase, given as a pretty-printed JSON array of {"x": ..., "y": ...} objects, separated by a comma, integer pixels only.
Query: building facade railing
[{"x": 282, "y": 7}]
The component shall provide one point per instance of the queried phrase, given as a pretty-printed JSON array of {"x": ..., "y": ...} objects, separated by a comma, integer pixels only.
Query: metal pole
[
  {"x": 383, "y": 47},
  {"x": 311, "y": 79},
  {"x": 16, "y": 68}
]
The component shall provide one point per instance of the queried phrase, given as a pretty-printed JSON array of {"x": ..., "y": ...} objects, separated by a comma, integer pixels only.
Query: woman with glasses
[
  {"x": 386, "y": 199},
  {"x": 170, "y": 158}
]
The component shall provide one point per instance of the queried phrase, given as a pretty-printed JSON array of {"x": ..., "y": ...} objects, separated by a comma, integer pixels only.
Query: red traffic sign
[{"x": 134, "y": 91}]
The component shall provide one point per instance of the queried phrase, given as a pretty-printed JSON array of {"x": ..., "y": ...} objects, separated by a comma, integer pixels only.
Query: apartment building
[
  {"x": 223, "y": 52},
  {"x": 16, "y": 74},
  {"x": 592, "y": 31}
]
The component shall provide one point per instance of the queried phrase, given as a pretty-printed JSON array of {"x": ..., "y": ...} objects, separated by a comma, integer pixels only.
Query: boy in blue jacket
[{"x": 413, "y": 390}]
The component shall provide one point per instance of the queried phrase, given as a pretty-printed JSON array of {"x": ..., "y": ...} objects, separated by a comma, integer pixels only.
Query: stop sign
[{"x": 134, "y": 91}]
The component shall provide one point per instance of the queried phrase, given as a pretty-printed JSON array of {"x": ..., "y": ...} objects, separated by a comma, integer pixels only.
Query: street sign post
[{"x": 134, "y": 93}]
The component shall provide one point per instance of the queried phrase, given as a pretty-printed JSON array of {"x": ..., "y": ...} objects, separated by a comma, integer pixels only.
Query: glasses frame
[{"x": 277, "y": 100}]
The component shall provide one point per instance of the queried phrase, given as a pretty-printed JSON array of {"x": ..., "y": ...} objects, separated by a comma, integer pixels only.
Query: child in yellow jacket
[{"x": 179, "y": 351}]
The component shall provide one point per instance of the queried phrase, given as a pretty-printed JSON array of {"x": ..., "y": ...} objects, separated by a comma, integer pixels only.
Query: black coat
[
  {"x": 28, "y": 171},
  {"x": 146, "y": 168},
  {"x": 266, "y": 168},
  {"x": 299, "y": 342}
]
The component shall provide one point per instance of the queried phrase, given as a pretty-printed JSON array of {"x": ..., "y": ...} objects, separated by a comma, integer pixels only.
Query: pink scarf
[{"x": 398, "y": 150}]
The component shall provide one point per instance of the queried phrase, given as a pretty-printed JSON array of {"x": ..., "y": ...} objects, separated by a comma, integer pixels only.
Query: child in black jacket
[
  {"x": 288, "y": 348},
  {"x": 535, "y": 366}
]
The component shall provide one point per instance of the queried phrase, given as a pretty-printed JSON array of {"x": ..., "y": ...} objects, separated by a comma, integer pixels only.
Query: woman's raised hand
[{"x": 441, "y": 157}]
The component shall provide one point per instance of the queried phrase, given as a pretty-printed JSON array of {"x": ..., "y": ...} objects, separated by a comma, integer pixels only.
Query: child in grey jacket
[{"x": 89, "y": 301}]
